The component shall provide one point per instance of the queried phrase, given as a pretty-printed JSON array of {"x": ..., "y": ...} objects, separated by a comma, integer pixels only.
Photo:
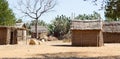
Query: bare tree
[{"x": 36, "y": 8}]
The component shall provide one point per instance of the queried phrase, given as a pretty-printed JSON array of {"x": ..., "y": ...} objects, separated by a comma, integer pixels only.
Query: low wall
[
  {"x": 87, "y": 38},
  {"x": 111, "y": 37}
]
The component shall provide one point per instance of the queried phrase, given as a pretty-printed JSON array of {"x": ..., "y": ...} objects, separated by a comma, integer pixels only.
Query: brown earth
[{"x": 59, "y": 50}]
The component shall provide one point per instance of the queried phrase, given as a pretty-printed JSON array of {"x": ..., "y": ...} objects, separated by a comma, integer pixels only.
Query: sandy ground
[{"x": 58, "y": 49}]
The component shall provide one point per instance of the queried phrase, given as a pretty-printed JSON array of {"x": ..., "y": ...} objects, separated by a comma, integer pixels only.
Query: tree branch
[
  {"x": 41, "y": 2},
  {"x": 35, "y": 8},
  {"x": 48, "y": 6},
  {"x": 29, "y": 15}
]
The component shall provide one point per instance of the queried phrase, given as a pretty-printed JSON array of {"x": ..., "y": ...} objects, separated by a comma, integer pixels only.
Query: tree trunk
[{"x": 36, "y": 32}]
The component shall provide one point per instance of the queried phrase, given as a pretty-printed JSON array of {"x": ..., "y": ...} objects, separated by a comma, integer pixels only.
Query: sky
[{"x": 63, "y": 7}]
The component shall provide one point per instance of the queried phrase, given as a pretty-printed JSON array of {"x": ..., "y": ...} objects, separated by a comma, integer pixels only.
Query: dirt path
[{"x": 58, "y": 49}]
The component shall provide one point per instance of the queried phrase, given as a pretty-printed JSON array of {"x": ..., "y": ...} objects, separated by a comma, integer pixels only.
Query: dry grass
[{"x": 67, "y": 40}]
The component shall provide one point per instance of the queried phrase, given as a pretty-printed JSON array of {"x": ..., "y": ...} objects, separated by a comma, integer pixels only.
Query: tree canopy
[
  {"x": 7, "y": 17},
  {"x": 112, "y": 10},
  {"x": 93, "y": 16},
  {"x": 59, "y": 26},
  {"x": 111, "y": 7}
]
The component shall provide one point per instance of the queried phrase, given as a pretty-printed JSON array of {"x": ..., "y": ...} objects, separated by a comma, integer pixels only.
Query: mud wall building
[{"x": 87, "y": 33}]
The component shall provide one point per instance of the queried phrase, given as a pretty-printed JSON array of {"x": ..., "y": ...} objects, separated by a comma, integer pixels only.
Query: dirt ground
[{"x": 59, "y": 50}]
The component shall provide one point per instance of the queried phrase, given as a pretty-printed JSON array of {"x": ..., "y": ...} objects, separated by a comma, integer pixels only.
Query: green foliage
[
  {"x": 60, "y": 26},
  {"x": 93, "y": 16},
  {"x": 7, "y": 17},
  {"x": 112, "y": 10},
  {"x": 51, "y": 29}
]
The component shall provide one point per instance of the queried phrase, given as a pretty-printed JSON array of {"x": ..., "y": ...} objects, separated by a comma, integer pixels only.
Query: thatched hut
[
  {"x": 40, "y": 30},
  {"x": 11, "y": 35},
  {"x": 111, "y": 32},
  {"x": 5, "y": 38},
  {"x": 87, "y": 33},
  {"x": 8, "y": 35},
  {"x": 21, "y": 31}
]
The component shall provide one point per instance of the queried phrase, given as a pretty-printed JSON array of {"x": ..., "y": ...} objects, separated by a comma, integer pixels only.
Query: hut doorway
[{"x": 11, "y": 38}]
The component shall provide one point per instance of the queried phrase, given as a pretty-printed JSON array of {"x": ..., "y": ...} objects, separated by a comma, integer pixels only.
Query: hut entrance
[
  {"x": 11, "y": 38},
  {"x": 11, "y": 35}
]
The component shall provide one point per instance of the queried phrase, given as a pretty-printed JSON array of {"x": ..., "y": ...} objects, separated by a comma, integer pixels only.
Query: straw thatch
[
  {"x": 87, "y": 33},
  {"x": 40, "y": 29},
  {"x": 21, "y": 31},
  {"x": 86, "y": 25},
  {"x": 20, "y": 26},
  {"x": 43, "y": 36},
  {"x": 11, "y": 35},
  {"x": 113, "y": 27},
  {"x": 111, "y": 32},
  {"x": 34, "y": 42}
]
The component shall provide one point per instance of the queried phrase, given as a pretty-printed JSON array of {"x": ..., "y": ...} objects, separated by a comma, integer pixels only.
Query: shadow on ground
[
  {"x": 65, "y": 46},
  {"x": 71, "y": 46},
  {"x": 65, "y": 55}
]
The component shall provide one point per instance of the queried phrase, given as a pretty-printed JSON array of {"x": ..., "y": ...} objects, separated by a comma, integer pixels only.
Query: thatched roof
[
  {"x": 20, "y": 25},
  {"x": 40, "y": 29},
  {"x": 86, "y": 25},
  {"x": 5, "y": 26},
  {"x": 111, "y": 26},
  {"x": 12, "y": 28}
]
